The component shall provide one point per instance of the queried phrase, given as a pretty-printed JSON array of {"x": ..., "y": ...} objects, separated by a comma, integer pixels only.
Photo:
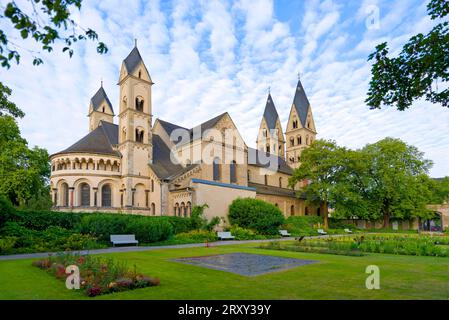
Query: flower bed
[{"x": 97, "y": 275}]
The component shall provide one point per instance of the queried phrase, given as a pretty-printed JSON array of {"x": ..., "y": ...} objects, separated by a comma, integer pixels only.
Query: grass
[{"x": 334, "y": 277}]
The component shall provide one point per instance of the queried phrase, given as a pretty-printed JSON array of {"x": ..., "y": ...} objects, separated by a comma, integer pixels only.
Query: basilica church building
[{"x": 136, "y": 166}]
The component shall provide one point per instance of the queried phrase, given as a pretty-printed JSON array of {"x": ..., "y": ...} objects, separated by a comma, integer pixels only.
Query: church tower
[
  {"x": 301, "y": 131},
  {"x": 271, "y": 137},
  {"x": 100, "y": 109},
  {"x": 135, "y": 123}
]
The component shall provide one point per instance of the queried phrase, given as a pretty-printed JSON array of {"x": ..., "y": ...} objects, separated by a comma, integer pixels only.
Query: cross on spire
[
  {"x": 101, "y": 81},
  {"x": 135, "y": 42},
  {"x": 269, "y": 89},
  {"x": 299, "y": 75}
]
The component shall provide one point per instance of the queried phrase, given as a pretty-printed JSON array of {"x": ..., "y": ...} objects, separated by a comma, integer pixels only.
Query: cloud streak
[{"x": 207, "y": 57}]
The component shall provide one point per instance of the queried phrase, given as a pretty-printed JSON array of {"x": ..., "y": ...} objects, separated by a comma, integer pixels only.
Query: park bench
[
  {"x": 348, "y": 231},
  {"x": 321, "y": 232},
  {"x": 123, "y": 239},
  {"x": 225, "y": 236},
  {"x": 284, "y": 233}
]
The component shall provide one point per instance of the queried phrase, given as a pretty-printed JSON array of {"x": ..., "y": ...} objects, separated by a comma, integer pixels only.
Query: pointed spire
[
  {"x": 98, "y": 99},
  {"x": 301, "y": 103},
  {"x": 270, "y": 114}
]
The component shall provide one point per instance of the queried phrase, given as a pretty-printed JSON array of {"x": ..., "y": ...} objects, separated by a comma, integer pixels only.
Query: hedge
[
  {"x": 303, "y": 225},
  {"x": 256, "y": 214}
]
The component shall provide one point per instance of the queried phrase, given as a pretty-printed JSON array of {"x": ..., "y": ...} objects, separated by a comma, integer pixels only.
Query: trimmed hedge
[
  {"x": 146, "y": 229},
  {"x": 256, "y": 214}
]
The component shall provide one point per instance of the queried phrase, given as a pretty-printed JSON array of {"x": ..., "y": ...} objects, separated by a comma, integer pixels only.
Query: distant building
[{"x": 128, "y": 167}]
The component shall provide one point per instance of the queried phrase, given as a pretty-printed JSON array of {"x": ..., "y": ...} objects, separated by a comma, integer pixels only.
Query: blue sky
[{"x": 207, "y": 57}]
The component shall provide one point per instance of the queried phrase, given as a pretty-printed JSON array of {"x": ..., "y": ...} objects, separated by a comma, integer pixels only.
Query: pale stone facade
[{"x": 141, "y": 167}]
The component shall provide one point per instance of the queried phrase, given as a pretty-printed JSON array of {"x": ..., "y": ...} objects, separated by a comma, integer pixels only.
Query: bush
[
  {"x": 256, "y": 214},
  {"x": 196, "y": 236},
  {"x": 6, "y": 244},
  {"x": 6, "y": 210},
  {"x": 146, "y": 229},
  {"x": 303, "y": 225},
  {"x": 245, "y": 234}
]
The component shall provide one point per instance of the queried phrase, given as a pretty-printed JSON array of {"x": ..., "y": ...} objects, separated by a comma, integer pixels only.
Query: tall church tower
[
  {"x": 271, "y": 137},
  {"x": 100, "y": 109},
  {"x": 135, "y": 123},
  {"x": 301, "y": 131}
]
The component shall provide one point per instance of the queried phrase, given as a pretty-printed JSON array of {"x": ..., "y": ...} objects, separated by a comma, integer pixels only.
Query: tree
[
  {"x": 393, "y": 181},
  {"x": 46, "y": 22},
  {"x": 324, "y": 166},
  {"x": 438, "y": 189},
  {"x": 24, "y": 172},
  {"x": 422, "y": 64},
  {"x": 6, "y": 106}
]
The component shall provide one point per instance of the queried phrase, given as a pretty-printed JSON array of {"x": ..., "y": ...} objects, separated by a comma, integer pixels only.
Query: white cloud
[{"x": 207, "y": 57}]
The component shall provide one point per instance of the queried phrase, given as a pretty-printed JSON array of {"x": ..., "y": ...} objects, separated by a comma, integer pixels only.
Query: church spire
[{"x": 301, "y": 103}]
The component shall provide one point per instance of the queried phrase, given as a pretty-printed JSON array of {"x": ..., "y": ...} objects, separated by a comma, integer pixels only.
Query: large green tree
[
  {"x": 323, "y": 167},
  {"x": 24, "y": 172},
  {"x": 384, "y": 180},
  {"x": 420, "y": 70},
  {"x": 394, "y": 179}
]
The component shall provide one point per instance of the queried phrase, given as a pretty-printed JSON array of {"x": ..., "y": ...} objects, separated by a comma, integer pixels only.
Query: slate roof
[
  {"x": 275, "y": 191},
  {"x": 99, "y": 141},
  {"x": 98, "y": 98},
  {"x": 170, "y": 127},
  {"x": 133, "y": 60},
  {"x": 270, "y": 114},
  {"x": 301, "y": 103},
  {"x": 162, "y": 165},
  {"x": 265, "y": 160}
]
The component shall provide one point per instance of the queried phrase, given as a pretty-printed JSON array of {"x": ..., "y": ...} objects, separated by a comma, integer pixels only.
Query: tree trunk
[
  {"x": 386, "y": 219},
  {"x": 325, "y": 211}
]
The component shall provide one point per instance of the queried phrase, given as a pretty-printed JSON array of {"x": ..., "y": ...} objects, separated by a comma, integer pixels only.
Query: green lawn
[{"x": 334, "y": 277}]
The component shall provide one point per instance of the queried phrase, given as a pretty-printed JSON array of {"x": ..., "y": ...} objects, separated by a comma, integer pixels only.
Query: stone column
[
  {"x": 133, "y": 193},
  {"x": 71, "y": 191},
  {"x": 55, "y": 197},
  {"x": 95, "y": 196}
]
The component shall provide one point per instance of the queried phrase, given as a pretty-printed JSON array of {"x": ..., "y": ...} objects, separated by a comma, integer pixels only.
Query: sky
[{"x": 208, "y": 57}]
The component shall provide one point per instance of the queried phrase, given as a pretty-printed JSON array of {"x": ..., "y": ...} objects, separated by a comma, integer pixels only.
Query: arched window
[
  {"x": 139, "y": 104},
  {"x": 292, "y": 210},
  {"x": 280, "y": 182},
  {"x": 295, "y": 124},
  {"x": 267, "y": 148},
  {"x": 85, "y": 194},
  {"x": 308, "y": 124},
  {"x": 106, "y": 198},
  {"x": 266, "y": 180},
  {"x": 140, "y": 74},
  {"x": 216, "y": 169},
  {"x": 276, "y": 205},
  {"x": 264, "y": 133},
  {"x": 65, "y": 195},
  {"x": 292, "y": 141},
  {"x": 307, "y": 140},
  {"x": 153, "y": 209},
  {"x": 183, "y": 211},
  {"x": 233, "y": 172},
  {"x": 299, "y": 139},
  {"x": 139, "y": 135},
  {"x": 176, "y": 209},
  {"x": 103, "y": 109},
  {"x": 189, "y": 209}
]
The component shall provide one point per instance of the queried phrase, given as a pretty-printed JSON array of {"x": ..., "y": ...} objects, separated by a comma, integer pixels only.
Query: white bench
[
  {"x": 348, "y": 231},
  {"x": 284, "y": 233},
  {"x": 123, "y": 239},
  {"x": 321, "y": 232},
  {"x": 225, "y": 236}
]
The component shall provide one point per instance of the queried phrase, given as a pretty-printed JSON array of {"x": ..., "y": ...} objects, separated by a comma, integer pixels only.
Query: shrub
[
  {"x": 245, "y": 234},
  {"x": 196, "y": 236},
  {"x": 256, "y": 214},
  {"x": 146, "y": 229},
  {"x": 6, "y": 210},
  {"x": 6, "y": 244},
  {"x": 303, "y": 225}
]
